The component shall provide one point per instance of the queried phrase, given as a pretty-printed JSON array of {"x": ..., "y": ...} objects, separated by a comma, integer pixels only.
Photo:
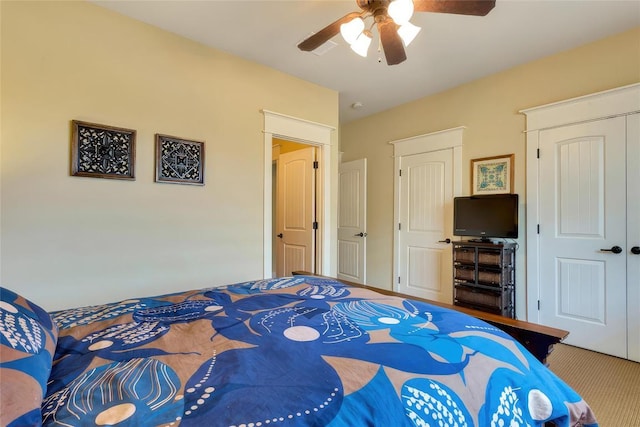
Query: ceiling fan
[{"x": 392, "y": 20}]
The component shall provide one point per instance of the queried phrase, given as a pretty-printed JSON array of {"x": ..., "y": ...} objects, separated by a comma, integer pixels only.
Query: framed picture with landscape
[{"x": 492, "y": 175}]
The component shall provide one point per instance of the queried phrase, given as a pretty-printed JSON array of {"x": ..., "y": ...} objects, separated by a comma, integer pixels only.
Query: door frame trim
[
  {"x": 595, "y": 106},
  {"x": 311, "y": 133},
  {"x": 447, "y": 139}
]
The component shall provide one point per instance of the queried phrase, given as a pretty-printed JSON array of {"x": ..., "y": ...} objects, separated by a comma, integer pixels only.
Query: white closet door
[
  {"x": 633, "y": 234},
  {"x": 352, "y": 221},
  {"x": 425, "y": 214},
  {"x": 582, "y": 203}
]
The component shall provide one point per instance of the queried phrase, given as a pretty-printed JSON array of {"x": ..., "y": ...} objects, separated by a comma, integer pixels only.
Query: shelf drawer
[
  {"x": 467, "y": 274},
  {"x": 471, "y": 296},
  {"x": 464, "y": 255},
  {"x": 490, "y": 277},
  {"x": 489, "y": 258}
]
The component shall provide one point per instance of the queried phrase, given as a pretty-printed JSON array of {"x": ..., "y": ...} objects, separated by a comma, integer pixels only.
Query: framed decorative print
[
  {"x": 179, "y": 160},
  {"x": 492, "y": 175},
  {"x": 102, "y": 151}
]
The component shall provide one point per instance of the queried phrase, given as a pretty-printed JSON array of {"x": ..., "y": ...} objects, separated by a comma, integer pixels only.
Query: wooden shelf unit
[{"x": 484, "y": 276}]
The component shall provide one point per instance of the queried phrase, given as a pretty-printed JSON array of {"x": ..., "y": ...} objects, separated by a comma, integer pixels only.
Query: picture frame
[
  {"x": 102, "y": 151},
  {"x": 179, "y": 160},
  {"x": 492, "y": 175}
]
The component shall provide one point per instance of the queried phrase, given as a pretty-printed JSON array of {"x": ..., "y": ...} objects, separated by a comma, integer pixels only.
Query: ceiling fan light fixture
[
  {"x": 362, "y": 43},
  {"x": 400, "y": 11},
  {"x": 391, "y": 19},
  {"x": 408, "y": 32},
  {"x": 351, "y": 30}
]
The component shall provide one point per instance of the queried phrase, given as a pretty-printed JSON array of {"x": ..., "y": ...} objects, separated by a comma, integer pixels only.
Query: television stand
[{"x": 484, "y": 276}]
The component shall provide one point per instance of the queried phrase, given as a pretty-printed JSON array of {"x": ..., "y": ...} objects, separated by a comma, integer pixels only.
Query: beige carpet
[{"x": 611, "y": 386}]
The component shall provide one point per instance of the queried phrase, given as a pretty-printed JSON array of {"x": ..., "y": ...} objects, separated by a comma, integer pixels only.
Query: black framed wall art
[
  {"x": 102, "y": 151},
  {"x": 179, "y": 160}
]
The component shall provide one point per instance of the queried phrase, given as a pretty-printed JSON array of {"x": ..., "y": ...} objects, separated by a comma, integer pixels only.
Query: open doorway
[{"x": 311, "y": 134}]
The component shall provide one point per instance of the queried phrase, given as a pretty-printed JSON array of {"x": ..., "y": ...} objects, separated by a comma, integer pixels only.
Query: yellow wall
[
  {"x": 489, "y": 109},
  {"x": 67, "y": 240}
]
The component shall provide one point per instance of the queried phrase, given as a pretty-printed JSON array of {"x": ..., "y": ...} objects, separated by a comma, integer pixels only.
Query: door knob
[
  {"x": 635, "y": 250},
  {"x": 447, "y": 240},
  {"x": 280, "y": 235},
  {"x": 615, "y": 249},
  {"x": 360, "y": 235}
]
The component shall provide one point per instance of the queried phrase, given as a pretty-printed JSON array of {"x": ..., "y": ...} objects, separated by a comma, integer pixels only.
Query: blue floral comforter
[{"x": 298, "y": 351}]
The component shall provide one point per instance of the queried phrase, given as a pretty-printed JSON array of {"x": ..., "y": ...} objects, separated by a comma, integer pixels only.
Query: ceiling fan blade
[
  {"x": 321, "y": 37},
  {"x": 391, "y": 42},
  {"x": 461, "y": 7}
]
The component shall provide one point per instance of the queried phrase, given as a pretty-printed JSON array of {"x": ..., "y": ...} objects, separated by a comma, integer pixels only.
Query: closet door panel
[
  {"x": 582, "y": 216},
  {"x": 583, "y": 219},
  {"x": 633, "y": 234}
]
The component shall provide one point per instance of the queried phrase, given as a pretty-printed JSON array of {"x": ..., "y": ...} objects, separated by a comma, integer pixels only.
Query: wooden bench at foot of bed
[{"x": 538, "y": 339}]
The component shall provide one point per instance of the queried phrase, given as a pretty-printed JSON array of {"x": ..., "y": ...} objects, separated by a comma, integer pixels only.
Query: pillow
[{"x": 28, "y": 339}]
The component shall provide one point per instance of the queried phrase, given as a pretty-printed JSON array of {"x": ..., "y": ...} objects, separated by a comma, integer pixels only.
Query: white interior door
[
  {"x": 633, "y": 235},
  {"x": 582, "y": 205},
  {"x": 296, "y": 212},
  {"x": 352, "y": 221},
  {"x": 425, "y": 220}
]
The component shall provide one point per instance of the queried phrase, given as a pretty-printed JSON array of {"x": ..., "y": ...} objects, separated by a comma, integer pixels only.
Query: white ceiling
[{"x": 449, "y": 51}]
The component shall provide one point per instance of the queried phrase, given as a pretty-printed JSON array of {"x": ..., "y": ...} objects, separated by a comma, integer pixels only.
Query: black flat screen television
[{"x": 486, "y": 217}]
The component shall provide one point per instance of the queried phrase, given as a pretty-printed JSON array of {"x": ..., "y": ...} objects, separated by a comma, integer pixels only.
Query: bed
[{"x": 294, "y": 351}]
